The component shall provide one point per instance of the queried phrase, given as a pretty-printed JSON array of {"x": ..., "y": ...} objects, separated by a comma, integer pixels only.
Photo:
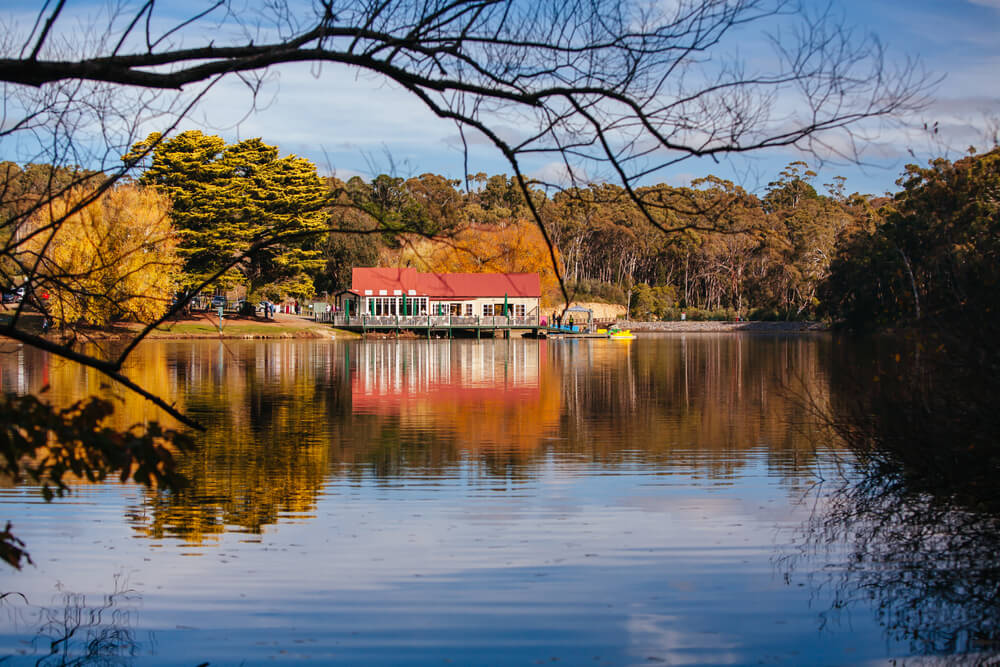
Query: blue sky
[{"x": 351, "y": 123}]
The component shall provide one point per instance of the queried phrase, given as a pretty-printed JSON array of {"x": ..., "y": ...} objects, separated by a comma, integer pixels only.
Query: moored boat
[{"x": 621, "y": 334}]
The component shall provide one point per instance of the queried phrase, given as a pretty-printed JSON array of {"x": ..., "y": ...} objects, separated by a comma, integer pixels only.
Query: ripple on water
[{"x": 491, "y": 502}]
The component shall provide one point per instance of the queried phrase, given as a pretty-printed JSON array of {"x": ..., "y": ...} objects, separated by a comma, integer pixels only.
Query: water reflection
[
  {"x": 928, "y": 567},
  {"x": 587, "y": 497},
  {"x": 497, "y": 397},
  {"x": 918, "y": 513},
  {"x": 285, "y": 416},
  {"x": 78, "y": 632},
  {"x": 264, "y": 454}
]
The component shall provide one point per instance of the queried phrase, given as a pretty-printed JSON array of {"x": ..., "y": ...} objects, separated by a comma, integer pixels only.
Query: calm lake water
[{"x": 490, "y": 502}]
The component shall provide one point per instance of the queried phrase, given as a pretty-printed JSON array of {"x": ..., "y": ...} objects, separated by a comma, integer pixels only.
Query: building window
[
  {"x": 487, "y": 309},
  {"x": 468, "y": 310},
  {"x": 519, "y": 310}
]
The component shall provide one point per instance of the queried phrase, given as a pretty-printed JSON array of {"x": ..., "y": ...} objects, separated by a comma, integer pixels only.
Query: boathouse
[{"x": 387, "y": 292}]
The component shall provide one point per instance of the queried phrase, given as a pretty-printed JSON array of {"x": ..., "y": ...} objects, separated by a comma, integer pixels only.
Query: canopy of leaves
[
  {"x": 936, "y": 257},
  {"x": 728, "y": 250},
  {"x": 242, "y": 213},
  {"x": 104, "y": 259}
]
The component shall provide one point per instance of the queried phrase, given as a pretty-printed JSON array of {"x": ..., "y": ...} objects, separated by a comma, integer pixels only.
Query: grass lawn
[
  {"x": 228, "y": 328},
  {"x": 284, "y": 326},
  {"x": 241, "y": 327}
]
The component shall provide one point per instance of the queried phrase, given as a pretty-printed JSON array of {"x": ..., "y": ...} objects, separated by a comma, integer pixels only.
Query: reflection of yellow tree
[
  {"x": 264, "y": 455},
  {"x": 283, "y": 416},
  {"x": 149, "y": 367},
  {"x": 239, "y": 484}
]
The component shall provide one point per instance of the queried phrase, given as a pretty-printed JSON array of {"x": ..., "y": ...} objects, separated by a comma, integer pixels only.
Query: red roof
[{"x": 446, "y": 285}]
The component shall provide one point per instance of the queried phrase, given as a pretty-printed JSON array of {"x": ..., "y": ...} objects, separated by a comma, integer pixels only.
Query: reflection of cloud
[{"x": 657, "y": 636}]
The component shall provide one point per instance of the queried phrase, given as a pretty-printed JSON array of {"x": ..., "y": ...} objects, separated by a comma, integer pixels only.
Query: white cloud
[{"x": 560, "y": 175}]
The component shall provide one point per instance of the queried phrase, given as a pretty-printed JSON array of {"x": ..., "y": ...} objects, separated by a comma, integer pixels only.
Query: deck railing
[{"x": 366, "y": 321}]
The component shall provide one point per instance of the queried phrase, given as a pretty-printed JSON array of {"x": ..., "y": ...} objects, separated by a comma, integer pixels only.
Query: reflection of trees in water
[
  {"x": 265, "y": 453},
  {"x": 283, "y": 416},
  {"x": 702, "y": 401},
  {"x": 929, "y": 566},
  {"x": 920, "y": 513},
  {"x": 70, "y": 381}
]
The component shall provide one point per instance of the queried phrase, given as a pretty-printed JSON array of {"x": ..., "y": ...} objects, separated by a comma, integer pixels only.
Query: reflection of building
[
  {"x": 406, "y": 291},
  {"x": 497, "y": 396},
  {"x": 391, "y": 376}
]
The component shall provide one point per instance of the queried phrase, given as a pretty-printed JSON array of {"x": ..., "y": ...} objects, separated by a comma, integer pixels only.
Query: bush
[
  {"x": 653, "y": 303},
  {"x": 700, "y": 314}
]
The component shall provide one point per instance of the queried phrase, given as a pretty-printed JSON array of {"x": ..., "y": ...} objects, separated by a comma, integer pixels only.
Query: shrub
[{"x": 653, "y": 303}]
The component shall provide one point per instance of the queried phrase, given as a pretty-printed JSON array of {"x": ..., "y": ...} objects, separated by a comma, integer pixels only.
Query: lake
[{"x": 494, "y": 502}]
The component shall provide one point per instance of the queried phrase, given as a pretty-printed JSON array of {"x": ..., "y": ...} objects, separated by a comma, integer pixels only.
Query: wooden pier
[{"x": 445, "y": 325}]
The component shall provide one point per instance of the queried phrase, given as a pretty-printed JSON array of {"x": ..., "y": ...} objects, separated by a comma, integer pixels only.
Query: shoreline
[
  {"x": 689, "y": 326},
  {"x": 298, "y": 327}
]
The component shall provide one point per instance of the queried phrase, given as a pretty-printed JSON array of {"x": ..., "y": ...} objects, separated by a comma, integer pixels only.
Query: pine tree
[{"x": 242, "y": 202}]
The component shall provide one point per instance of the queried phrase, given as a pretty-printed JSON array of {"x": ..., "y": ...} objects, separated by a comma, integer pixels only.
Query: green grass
[
  {"x": 187, "y": 329},
  {"x": 31, "y": 322}
]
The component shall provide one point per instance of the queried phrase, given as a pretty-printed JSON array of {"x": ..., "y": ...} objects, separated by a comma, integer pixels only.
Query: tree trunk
[{"x": 913, "y": 280}]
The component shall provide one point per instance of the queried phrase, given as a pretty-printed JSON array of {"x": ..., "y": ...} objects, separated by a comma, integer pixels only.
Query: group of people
[
  {"x": 288, "y": 308},
  {"x": 556, "y": 320}
]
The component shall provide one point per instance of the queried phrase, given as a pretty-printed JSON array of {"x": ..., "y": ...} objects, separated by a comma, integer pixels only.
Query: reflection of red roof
[
  {"x": 446, "y": 285},
  {"x": 387, "y": 401}
]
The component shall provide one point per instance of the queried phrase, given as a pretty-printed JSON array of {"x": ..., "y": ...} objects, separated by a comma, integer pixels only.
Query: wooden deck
[{"x": 428, "y": 324}]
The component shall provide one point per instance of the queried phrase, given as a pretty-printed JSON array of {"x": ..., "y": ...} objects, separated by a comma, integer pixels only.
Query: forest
[
  {"x": 800, "y": 250},
  {"x": 712, "y": 249},
  {"x": 200, "y": 210}
]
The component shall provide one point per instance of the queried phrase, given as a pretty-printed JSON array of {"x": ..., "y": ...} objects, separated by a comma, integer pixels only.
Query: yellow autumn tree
[{"x": 113, "y": 259}]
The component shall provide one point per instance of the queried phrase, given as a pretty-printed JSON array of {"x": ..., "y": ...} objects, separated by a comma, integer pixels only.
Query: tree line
[{"x": 200, "y": 212}]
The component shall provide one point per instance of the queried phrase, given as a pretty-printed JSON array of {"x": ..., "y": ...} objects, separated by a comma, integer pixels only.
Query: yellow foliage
[
  {"x": 515, "y": 247},
  {"x": 113, "y": 259}
]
